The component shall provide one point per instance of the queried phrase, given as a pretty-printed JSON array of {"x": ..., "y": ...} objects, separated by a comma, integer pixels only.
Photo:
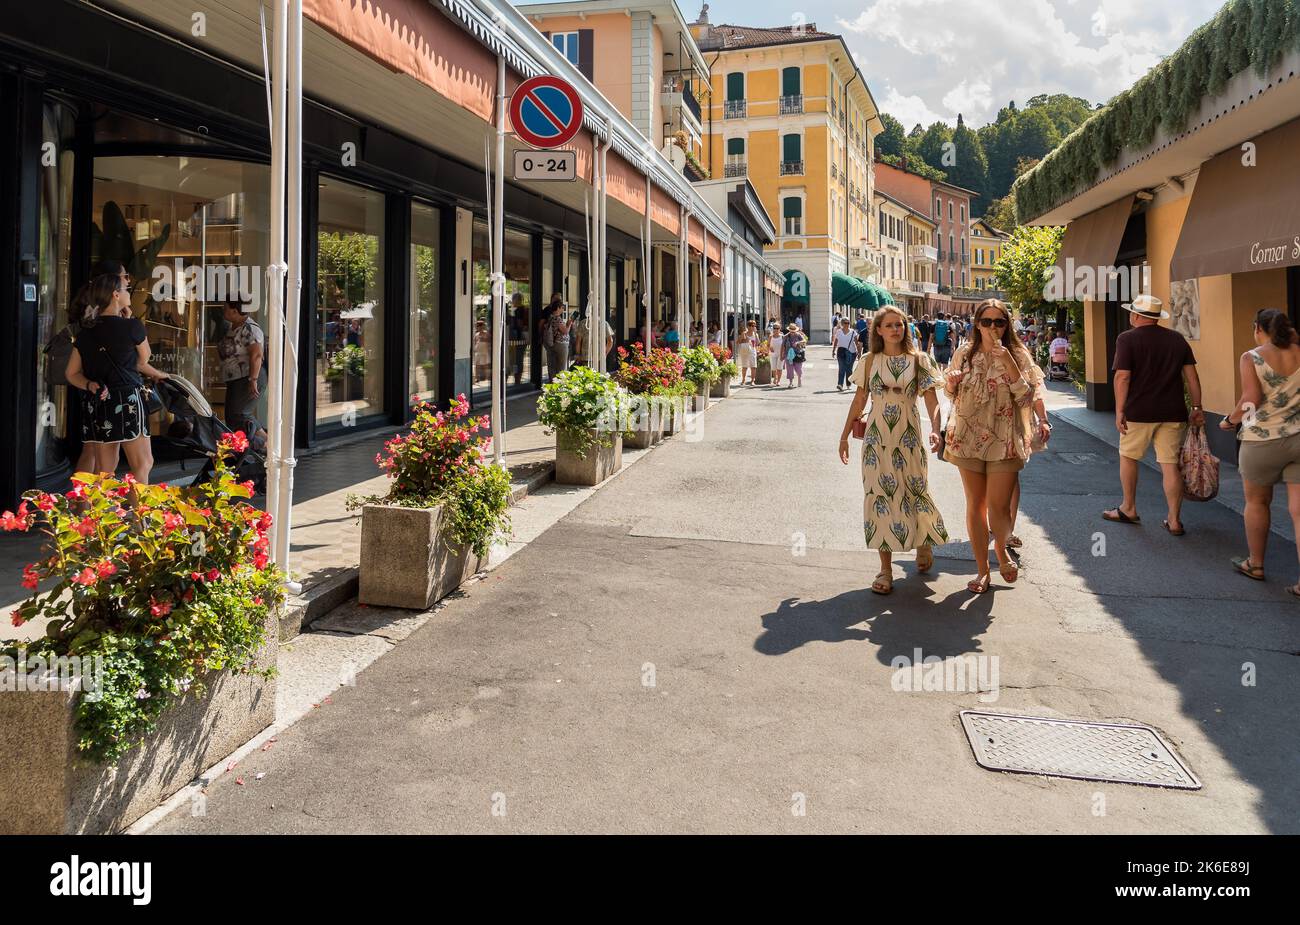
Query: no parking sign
[{"x": 546, "y": 111}]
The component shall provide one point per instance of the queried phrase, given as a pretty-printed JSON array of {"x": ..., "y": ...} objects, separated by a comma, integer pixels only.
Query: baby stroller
[
  {"x": 1058, "y": 368},
  {"x": 195, "y": 431}
]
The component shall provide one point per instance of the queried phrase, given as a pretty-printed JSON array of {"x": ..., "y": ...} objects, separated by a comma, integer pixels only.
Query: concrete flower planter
[
  {"x": 406, "y": 558},
  {"x": 721, "y": 388},
  {"x": 643, "y": 435},
  {"x": 46, "y": 789},
  {"x": 763, "y": 374},
  {"x": 599, "y": 463},
  {"x": 700, "y": 400},
  {"x": 672, "y": 416}
]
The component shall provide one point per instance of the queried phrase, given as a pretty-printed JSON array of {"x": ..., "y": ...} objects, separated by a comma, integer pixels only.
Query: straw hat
[{"x": 1148, "y": 306}]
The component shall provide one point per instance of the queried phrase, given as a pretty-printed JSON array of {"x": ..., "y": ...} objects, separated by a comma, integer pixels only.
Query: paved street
[{"x": 695, "y": 645}]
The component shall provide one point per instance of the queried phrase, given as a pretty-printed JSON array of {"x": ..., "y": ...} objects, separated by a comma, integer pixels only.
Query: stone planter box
[
  {"x": 44, "y": 790},
  {"x": 648, "y": 434},
  {"x": 599, "y": 463},
  {"x": 721, "y": 388},
  {"x": 672, "y": 416},
  {"x": 406, "y": 560},
  {"x": 763, "y": 374}
]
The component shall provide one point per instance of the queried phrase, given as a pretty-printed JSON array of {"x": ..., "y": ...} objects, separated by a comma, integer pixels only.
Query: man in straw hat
[{"x": 1151, "y": 364}]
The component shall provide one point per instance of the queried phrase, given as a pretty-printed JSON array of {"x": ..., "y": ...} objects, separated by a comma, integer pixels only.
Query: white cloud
[{"x": 931, "y": 59}]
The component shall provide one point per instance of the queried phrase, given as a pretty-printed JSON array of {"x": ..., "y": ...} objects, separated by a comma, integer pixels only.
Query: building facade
[
  {"x": 130, "y": 138},
  {"x": 790, "y": 111},
  {"x": 986, "y": 250}
]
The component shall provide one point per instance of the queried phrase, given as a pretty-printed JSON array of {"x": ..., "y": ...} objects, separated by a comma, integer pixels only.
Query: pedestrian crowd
[{"x": 996, "y": 421}]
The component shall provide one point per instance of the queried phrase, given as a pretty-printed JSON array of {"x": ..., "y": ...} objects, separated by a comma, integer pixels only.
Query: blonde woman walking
[
  {"x": 993, "y": 383},
  {"x": 898, "y": 513},
  {"x": 776, "y": 344}
]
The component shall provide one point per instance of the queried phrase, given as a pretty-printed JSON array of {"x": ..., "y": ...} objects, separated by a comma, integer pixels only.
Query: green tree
[
  {"x": 893, "y": 139},
  {"x": 971, "y": 169},
  {"x": 933, "y": 145}
]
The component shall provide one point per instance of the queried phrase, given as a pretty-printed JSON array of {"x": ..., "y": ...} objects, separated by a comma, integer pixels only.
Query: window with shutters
[
  {"x": 791, "y": 90},
  {"x": 791, "y": 154},
  {"x": 792, "y": 215},
  {"x": 567, "y": 43},
  {"x": 735, "y": 166}
]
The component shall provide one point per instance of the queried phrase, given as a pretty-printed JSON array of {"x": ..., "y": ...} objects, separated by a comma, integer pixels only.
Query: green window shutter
[
  {"x": 792, "y": 207},
  {"x": 791, "y": 147},
  {"x": 735, "y": 146},
  {"x": 790, "y": 82},
  {"x": 736, "y": 86}
]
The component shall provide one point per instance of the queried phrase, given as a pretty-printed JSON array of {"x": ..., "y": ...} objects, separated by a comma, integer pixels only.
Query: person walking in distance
[
  {"x": 845, "y": 341},
  {"x": 1151, "y": 365},
  {"x": 776, "y": 349},
  {"x": 1269, "y": 418},
  {"x": 793, "y": 344},
  {"x": 942, "y": 335},
  {"x": 925, "y": 328},
  {"x": 898, "y": 513},
  {"x": 993, "y": 383},
  {"x": 746, "y": 352}
]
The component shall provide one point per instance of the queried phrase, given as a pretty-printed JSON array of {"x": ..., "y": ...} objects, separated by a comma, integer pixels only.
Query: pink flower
[
  {"x": 105, "y": 569},
  {"x": 212, "y": 575},
  {"x": 85, "y": 577},
  {"x": 172, "y": 522},
  {"x": 247, "y": 486},
  {"x": 85, "y": 526},
  {"x": 45, "y": 502},
  {"x": 159, "y": 608},
  {"x": 260, "y": 560},
  {"x": 237, "y": 442},
  {"x": 19, "y": 521}
]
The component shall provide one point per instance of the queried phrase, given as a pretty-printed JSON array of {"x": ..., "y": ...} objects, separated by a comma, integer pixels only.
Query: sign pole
[{"x": 498, "y": 278}]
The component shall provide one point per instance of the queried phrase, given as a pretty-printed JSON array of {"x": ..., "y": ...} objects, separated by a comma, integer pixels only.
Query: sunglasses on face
[{"x": 993, "y": 322}]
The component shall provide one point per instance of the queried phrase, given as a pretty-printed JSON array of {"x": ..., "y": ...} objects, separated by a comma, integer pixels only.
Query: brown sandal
[
  {"x": 1244, "y": 566},
  {"x": 883, "y": 584},
  {"x": 923, "y": 565},
  {"x": 1009, "y": 572},
  {"x": 979, "y": 585}
]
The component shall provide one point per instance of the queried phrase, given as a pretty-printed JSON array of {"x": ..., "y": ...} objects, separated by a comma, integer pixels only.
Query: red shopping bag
[{"x": 1200, "y": 467}]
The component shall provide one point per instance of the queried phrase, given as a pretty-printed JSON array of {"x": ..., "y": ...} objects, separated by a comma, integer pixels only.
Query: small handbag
[
  {"x": 943, "y": 438},
  {"x": 860, "y": 429}
]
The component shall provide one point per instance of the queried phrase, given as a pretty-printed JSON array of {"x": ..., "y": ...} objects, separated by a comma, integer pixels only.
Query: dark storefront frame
[{"x": 65, "y": 48}]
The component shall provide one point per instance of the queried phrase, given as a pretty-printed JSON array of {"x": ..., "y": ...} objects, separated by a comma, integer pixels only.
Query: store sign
[
  {"x": 546, "y": 165},
  {"x": 546, "y": 111}
]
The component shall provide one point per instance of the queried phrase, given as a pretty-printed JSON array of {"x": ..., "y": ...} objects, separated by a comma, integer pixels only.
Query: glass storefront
[
  {"x": 422, "y": 364},
  {"x": 192, "y": 234},
  {"x": 517, "y": 267},
  {"x": 53, "y": 296},
  {"x": 349, "y": 303}
]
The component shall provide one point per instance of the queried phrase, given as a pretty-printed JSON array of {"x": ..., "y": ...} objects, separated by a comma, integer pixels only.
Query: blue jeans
[{"x": 845, "y": 358}]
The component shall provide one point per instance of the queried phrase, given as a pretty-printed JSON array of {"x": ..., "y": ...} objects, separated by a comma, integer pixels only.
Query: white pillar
[
  {"x": 276, "y": 274},
  {"x": 498, "y": 280}
]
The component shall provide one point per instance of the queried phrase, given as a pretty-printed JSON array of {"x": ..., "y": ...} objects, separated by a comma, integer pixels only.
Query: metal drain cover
[{"x": 1069, "y": 748}]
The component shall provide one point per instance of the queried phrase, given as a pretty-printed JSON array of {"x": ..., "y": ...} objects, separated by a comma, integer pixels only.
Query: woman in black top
[{"x": 108, "y": 362}]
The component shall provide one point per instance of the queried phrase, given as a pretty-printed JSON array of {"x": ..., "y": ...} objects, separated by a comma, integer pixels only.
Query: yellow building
[
  {"x": 791, "y": 111},
  {"x": 985, "y": 251}
]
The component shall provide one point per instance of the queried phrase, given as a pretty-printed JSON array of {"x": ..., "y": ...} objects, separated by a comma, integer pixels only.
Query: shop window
[
  {"x": 349, "y": 303},
  {"x": 517, "y": 267},
  {"x": 423, "y": 314},
  {"x": 206, "y": 218}
]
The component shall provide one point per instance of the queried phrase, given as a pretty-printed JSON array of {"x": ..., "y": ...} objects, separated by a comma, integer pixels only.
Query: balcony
[
  {"x": 927, "y": 287},
  {"x": 793, "y": 226},
  {"x": 923, "y": 252},
  {"x": 965, "y": 258},
  {"x": 938, "y": 255},
  {"x": 791, "y": 168},
  {"x": 735, "y": 109},
  {"x": 791, "y": 104},
  {"x": 735, "y": 169},
  {"x": 690, "y": 102},
  {"x": 835, "y": 172}
]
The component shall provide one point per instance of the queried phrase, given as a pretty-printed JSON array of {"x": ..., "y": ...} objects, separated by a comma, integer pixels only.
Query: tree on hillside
[
  {"x": 932, "y": 145},
  {"x": 893, "y": 139},
  {"x": 971, "y": 169}
]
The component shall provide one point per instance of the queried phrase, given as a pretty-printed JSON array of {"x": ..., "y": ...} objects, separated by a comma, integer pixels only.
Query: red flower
[
  {"x": 45, "y": 502},
  {"x": 196, "y": 576},
  {"x": 188, "y": 595},
  {"x": 172, "y": 522},
  {"x": 247, "y": 486},
  {"x": 16, "y": 618},
  {"x": 30, "y": 579},
  {"x": 236, "y": 442},
  {"x": 260, "y": 560},
  {"x": 85, "y": 526},
  {"x": 85, "y": 577},
  {"x": 105, "y": 569},
  {"x": 19, "y": 521},
  {"x": 212, "y": 575},
  {"x": 159, "y": 608}
]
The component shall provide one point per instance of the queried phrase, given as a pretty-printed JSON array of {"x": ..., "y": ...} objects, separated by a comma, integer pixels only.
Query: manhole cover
[
  {"x": 1079, "y": 459},
  {"x": 1068, "y": 748}
]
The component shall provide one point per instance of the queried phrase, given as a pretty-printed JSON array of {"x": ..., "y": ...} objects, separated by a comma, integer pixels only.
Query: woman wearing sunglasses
[{"x": 993, "y": 383}]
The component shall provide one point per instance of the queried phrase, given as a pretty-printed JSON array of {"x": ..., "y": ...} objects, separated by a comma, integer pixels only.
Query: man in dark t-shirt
[{"x": 1151, "y": 364}]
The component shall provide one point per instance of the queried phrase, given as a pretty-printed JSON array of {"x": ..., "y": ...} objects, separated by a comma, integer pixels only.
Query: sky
[{"x": 928, "y": 60}]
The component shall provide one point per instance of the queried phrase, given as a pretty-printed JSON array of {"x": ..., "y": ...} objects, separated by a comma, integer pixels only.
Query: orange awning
[
  {"x": 713, "y": 249},
  {"x": 695, "y": 235},
  {"x": 664, "y": 211}
]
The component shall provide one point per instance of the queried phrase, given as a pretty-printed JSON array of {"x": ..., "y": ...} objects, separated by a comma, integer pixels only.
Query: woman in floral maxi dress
[{"x": 898, "y": 513}]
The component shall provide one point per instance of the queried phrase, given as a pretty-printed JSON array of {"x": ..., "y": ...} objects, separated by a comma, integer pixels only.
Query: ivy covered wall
[{"x": 1243, "y": 34}]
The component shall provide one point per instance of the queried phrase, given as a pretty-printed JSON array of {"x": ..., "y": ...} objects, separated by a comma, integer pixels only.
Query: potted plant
[
  {"x": 436, "y": 523},
  {"x": 346, "y": 374},
  {"x": 583, "y": 408},
  {"x": 649, "y": 378},
  {"x": 727, "y": 369},
  {"x": 763, "y": 371},
  {"x": 701, "y": 370},
  {"x": 159, "y": 651}
]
